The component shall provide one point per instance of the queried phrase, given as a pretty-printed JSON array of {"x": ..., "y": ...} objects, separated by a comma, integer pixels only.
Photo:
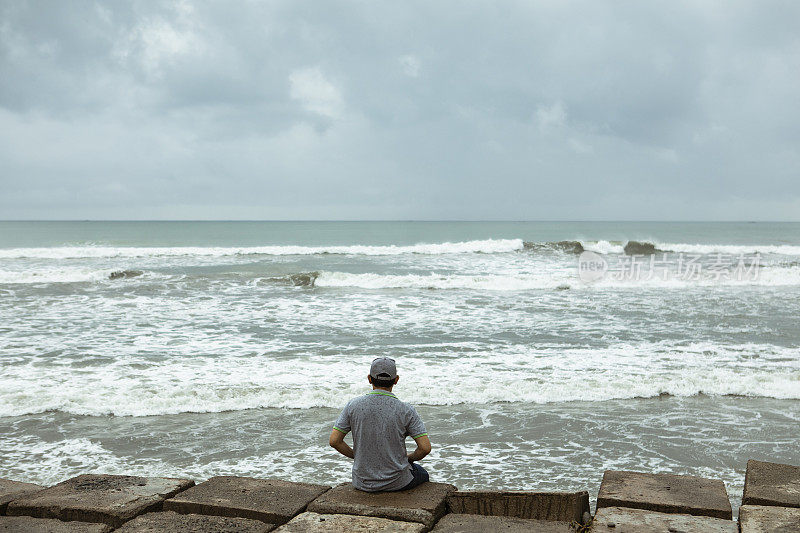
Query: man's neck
[{"x": 389, "y": 389}]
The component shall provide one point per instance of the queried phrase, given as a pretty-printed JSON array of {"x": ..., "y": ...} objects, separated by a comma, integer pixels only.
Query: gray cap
[{"x": 383, "y": 368}]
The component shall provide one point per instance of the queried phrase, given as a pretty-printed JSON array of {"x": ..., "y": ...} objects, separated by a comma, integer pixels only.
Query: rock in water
[
  {"x": 640, "y": 248},
  {"x": 573, "y": 247},
  {"x": 301, "y": 279},
  {"x": 304, "y": 279},
  {"x": 118, "y": 274},
  {"x": 570, "y": 247}
]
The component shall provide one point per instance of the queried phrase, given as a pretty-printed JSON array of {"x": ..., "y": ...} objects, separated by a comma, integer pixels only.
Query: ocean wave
[
  {"x": 300, "y": 279},
  {"x": 732, "y": 249},
  {"x": 66, "y": 458},
  {"x": 604, "y": 247},
  {"x": 628, "y": 248},
  {"x": 648, "y": 247},
  {"x": 65, "y": 275},
  {"x": 46, "y": 461},
  {"x": 132, "y": 386},
  {"x": 435, "y": 281},
  {"x": 488, "y": 246},
  {"x": 558, "y": 279}
]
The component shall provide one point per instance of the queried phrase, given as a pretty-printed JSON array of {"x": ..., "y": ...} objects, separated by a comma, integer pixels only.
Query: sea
[{"x": 539, "y": 354}]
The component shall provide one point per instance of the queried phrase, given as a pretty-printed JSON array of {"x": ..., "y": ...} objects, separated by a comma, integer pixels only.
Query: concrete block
[
  {"x": 665, "y": 493},
  {"x": 771, "y": 484},
  {"x": 473, "y": 523},
  {"x": 28, "y": 524},
  {"x": 346, "y": 523},
  {"x": 111, "y": 500},
  {"x": 170, "y": 522},
  {"x": 768, "y": 519},
  {"x": 270, "y": 500},
  {"x": 11, "y": 490},
  {"x": 556, "y": 506},
  {"x": 625, "y": 520},
  {"x": 423, "y": 504}
]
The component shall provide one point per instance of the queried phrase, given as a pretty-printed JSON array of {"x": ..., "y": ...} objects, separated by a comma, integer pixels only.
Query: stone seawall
[{"x": 627, "y": 502}]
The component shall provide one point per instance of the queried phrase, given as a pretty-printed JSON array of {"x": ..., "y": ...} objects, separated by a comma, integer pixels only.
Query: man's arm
[
  {"x": 423, "y": 448},
  {"x": 337, "y": 442}
]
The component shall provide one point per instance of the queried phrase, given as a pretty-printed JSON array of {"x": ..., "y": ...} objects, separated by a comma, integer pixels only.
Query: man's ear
[
  {"x": 396, "y": 379},
  {"x": 369, "y": 378}
]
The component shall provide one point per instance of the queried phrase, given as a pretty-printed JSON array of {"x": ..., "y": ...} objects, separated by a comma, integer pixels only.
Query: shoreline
[{"x": 488, "y": 446}]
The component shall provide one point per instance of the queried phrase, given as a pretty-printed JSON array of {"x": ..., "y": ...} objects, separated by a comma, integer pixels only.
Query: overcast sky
[{"x": 400, "y": 110}]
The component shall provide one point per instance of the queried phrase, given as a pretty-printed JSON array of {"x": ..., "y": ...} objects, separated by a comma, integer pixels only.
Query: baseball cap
[{"x": 383, "y": 368}]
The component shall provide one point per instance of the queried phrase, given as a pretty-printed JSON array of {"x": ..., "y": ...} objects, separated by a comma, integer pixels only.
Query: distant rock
[
  {"x": 640, "y": 248},
  {"x": 118, "y": 274},
  {"x": 570, "y": 247},
  {"x": 300, "y": 279},
  {"x": 573, "y": 247}
]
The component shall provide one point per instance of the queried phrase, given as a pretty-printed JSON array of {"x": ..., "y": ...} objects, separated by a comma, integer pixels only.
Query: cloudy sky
[{"x": 400, "y": 110}]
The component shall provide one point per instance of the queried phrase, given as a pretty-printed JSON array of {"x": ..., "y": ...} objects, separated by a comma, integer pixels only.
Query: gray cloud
[{"x": 552, "y": 110}]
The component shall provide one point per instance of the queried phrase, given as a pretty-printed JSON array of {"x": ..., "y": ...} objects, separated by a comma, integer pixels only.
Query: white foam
[
  {"x": 54, "y": 275},
  {"x": 134, "y": 386},
  {"x": 557, "y": 278},
  {"x": 603, "y": 247},
  {"x": 49, "y": 462},
  {"x": 544, "y": 279},
  {"x": 732, "y": 249},
  {"x": 435, "y": 281},
  {"x": 488, "y": 246}
]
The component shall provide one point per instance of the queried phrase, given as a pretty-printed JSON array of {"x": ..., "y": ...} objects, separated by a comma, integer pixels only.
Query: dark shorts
[{"x": 420, "y": 477}]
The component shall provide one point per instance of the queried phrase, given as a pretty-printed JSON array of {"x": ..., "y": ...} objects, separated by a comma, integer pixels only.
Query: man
[{"x": 380, "y": 423}]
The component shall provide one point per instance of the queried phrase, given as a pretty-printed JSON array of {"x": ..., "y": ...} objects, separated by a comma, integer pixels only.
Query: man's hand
[
  {"x": 337, "y": 442},
  {"x": 423, "y": 449}
]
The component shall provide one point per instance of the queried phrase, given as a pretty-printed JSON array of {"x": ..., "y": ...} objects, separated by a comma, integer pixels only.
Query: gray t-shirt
[{"x": 380, "y": 424}]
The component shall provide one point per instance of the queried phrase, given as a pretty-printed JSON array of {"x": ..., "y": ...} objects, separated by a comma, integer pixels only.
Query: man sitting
[{"x": 380, "y": 423}]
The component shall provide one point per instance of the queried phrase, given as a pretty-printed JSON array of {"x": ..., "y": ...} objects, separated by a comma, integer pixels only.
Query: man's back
[{"x": 380, "y": 423}]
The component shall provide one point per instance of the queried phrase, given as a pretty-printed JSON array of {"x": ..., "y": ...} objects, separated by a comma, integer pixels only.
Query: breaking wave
[
  {"x": 734, "y": 249},
  {"x": 436, "y": 281},
  {"x": 781, "y": 274},
  {"x": 65, "y": 275},
  {"x": 488, "y": 246},
  {"x": 545, "y": 280},
  {"x": 646, "y": 247},
  {"x": 228, "y": 382}
]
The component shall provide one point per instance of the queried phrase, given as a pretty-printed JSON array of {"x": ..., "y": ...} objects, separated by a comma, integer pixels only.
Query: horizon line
[{"x": 745, "y": 221}]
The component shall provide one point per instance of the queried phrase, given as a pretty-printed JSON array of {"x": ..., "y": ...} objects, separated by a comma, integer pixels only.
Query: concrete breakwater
[{"x": 627, "y": 502}]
